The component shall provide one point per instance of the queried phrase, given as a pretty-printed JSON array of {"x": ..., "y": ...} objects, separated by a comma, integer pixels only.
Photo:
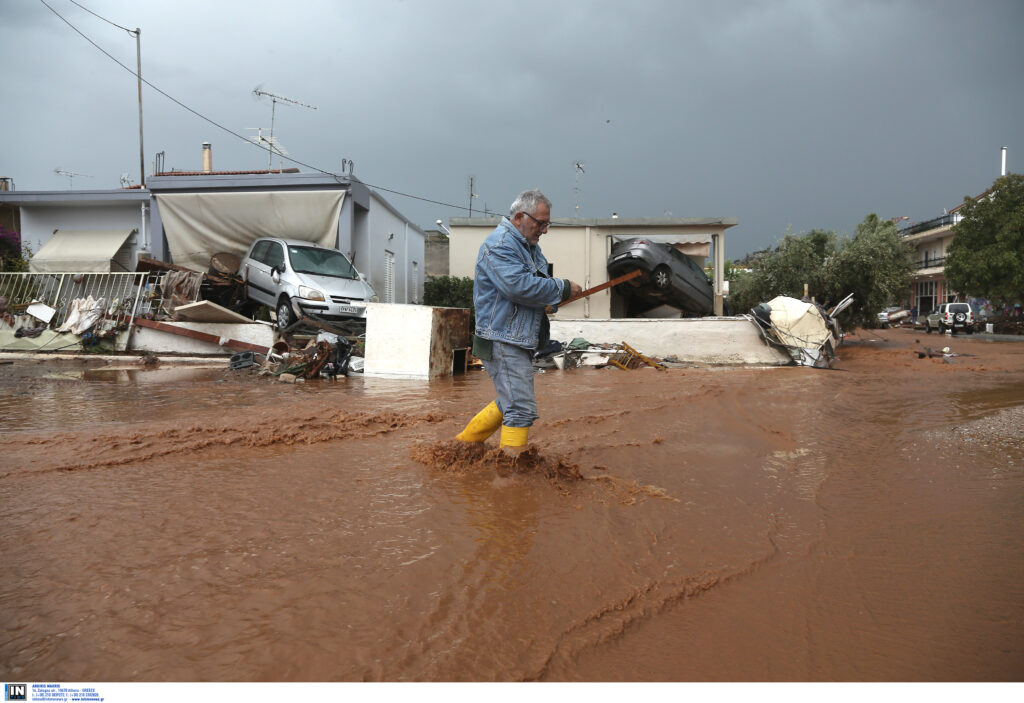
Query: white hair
[{"x": 528, "y": 202}]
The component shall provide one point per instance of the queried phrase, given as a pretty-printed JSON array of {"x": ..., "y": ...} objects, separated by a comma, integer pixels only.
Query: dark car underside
[{"x": 671, "y": 278}]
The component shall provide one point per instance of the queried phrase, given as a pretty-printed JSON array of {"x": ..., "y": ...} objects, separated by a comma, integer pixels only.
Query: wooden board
[{"x": 206, "y": 311}]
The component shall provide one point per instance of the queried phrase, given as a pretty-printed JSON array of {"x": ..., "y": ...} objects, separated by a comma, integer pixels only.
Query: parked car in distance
[
  {"x": 296, "y": 278},
  {"x": 671, "y": 277},
  {"x": 951, "y": 317},
  {"x": 883, "y": 317}
]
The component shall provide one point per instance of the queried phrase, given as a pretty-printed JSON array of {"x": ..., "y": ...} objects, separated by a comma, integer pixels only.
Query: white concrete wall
[
  {"x": 707, "y": 340},
  {"x": 159, "y": 342}
]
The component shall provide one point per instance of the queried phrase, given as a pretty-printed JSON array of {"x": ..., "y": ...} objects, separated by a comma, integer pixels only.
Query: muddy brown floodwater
[{"x": 695, "y": 524}]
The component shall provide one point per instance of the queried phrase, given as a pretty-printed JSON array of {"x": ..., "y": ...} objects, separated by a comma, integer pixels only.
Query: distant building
[
  {"x": 930, "y": 241},
  {"x": 437, "y": 252}
]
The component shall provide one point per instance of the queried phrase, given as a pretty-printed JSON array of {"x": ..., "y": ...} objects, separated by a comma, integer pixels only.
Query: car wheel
[
  {"x": 285, "y": 316},
  {"x": 661, "y": 277},
  {"x": 927, "y": 328}
]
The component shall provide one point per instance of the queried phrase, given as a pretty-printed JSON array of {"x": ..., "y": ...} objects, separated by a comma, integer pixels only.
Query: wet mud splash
[{"x": 478, "y": 458}]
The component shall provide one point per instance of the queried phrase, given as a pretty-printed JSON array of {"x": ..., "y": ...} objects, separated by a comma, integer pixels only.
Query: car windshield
[{"x": 320, "y": 262}]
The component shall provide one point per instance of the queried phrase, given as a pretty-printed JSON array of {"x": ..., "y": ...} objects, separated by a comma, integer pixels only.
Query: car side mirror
[{"x": 275, "y": 275}]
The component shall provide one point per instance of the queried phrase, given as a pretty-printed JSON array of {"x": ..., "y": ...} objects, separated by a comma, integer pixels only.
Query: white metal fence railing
[{"x": 124, "y": 295}]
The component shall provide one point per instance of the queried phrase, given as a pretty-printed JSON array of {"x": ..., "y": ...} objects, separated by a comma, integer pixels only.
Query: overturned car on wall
[{"x": 670, "y": 278}]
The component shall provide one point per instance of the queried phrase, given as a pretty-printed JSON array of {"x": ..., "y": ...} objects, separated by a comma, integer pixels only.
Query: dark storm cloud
[{"x": 801, "y": 114}]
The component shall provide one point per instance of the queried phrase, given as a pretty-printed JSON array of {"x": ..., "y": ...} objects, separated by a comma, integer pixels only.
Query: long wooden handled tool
[{"x": 614, "y": 282}]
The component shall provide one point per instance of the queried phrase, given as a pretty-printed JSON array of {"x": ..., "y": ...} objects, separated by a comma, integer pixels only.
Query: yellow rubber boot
[
  {"x": 514, "y": 438},
  {"x": 483, "y": 425}
]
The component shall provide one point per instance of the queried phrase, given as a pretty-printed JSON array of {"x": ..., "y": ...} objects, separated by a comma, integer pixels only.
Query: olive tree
[
  {"x": 798, "y": 259},
  {"x": 986, "y": 257},
  {"x": 874, "y": 265}
]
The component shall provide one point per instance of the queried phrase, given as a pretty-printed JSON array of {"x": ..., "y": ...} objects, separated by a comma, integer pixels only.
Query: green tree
[
  {"x": 797, "y": 260},
  {"x": 874, "y": 265},
  {"x": 986, "y": 257}
]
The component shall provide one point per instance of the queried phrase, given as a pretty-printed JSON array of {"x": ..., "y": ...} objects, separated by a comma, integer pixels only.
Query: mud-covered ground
[{"x": 696, "y": 524}]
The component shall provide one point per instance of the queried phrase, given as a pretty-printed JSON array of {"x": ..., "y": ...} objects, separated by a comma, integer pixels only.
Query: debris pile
[
  {"x": 803, "y": 329},
  {"x": 579, "y": 352}
]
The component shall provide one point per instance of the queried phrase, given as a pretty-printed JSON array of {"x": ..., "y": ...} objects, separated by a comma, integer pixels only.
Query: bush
[
  {"x": 13, "y": 255},
  {"x": 448, "y": 292}
]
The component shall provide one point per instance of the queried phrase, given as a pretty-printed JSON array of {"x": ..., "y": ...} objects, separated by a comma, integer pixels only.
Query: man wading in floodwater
[{"x": 511, "y": 290}]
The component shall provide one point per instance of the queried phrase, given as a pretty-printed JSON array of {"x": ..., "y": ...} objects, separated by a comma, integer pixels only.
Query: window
[
  {"x": 259, "y": 252},
  {"x": 389, "y": 276},
  {"x": 274, "y": 256}
]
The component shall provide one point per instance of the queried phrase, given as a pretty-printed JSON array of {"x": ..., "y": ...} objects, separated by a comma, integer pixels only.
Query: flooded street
[{"x": 696, "y": 524}]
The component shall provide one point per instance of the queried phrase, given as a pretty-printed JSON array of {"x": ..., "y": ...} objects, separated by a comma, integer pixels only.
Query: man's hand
[{"x": 574, "y": 289}]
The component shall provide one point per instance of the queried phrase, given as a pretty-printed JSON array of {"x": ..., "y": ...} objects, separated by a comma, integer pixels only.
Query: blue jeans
[{"x": 511, "y": 370}]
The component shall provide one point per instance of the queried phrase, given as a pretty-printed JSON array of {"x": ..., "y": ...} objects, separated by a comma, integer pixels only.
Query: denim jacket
[{"x": 511, "y": 288}]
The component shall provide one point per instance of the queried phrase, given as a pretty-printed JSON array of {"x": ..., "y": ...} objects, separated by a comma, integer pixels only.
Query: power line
[
  {"x": 115, "y": 24},
  {"x": 222, "y": 127}
]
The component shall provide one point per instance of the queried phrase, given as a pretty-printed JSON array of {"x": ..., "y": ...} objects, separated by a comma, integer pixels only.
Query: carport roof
[{"x": 73, "y": 197}]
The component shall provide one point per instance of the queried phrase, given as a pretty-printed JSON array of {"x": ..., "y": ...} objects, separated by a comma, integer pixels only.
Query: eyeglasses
[{"x": 540, "y": 223}]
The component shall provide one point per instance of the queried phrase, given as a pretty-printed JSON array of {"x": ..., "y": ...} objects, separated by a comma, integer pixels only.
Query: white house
[
  {"x": 578, "y": 249},
  {"x": 186, "y": 217}
]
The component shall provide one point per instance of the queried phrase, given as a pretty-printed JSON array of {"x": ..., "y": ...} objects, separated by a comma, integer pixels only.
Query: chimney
[
  {"x": 1004, "y": 162},
  {"x": 207, "y": 158}
]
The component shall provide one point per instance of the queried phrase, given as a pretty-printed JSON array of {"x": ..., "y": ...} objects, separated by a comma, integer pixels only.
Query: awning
[
  {"x": 199, "y": 225},
  {"x": 85, "y": 251},
  {"x": 696, "y": 244}
]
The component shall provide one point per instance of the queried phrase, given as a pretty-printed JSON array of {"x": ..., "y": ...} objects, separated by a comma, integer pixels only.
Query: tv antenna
[
  {"x": 579, "y": 168},
  {"x": 274, "y": 99},
  {"x": 71, "y": 176},
  {"x": 273, "y": 145}
]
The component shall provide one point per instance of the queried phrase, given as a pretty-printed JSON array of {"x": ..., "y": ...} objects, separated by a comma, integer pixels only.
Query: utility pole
[{"x": 138, "y": 73}]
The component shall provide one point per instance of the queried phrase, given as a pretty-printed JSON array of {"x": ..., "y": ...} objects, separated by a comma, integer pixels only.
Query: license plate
[
  {"x": 350, "y": 310},
  {"x": 620, "y": 256}
]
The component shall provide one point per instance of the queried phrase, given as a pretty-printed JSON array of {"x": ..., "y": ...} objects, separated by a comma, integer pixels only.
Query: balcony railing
[
  {"x": 930, "y": 263},
  {"x": 925, "y": 226}
]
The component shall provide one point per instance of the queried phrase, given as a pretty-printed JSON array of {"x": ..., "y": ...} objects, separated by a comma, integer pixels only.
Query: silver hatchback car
[{"x": 297, "y": 278}]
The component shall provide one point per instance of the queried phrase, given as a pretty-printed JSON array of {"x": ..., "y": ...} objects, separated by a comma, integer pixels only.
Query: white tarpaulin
[
  {"x": 199, "y": 225},
  {"x": 82, "y": 251},
  {"x": 797, "y": 323}
]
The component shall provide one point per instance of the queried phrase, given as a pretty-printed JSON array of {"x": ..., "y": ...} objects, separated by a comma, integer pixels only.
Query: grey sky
[{"x": 801, "y": 113}]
